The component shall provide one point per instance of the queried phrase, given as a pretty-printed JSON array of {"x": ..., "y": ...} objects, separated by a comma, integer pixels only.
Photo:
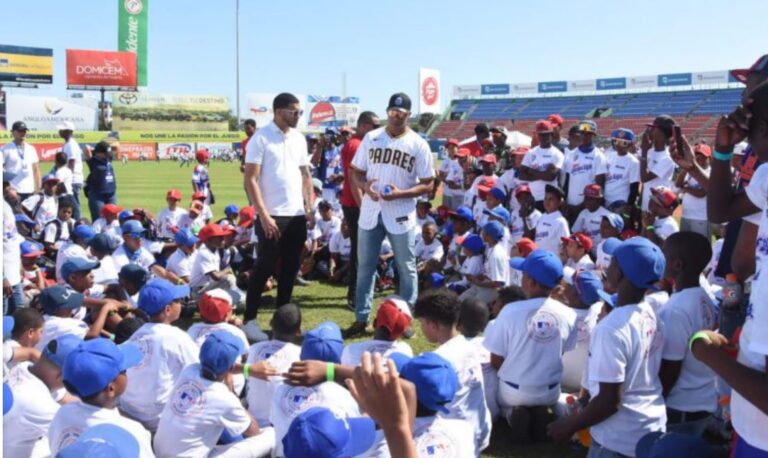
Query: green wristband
[
  {"x": 246, "y": 370},
  {"x": 650, "y": 227},
  {"x": 699, "y": 335},
  {"x": 330, "y": 372},
  {"x": 725, "y": 157}
]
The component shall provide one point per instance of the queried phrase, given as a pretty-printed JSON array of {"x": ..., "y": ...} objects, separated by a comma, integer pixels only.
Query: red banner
[
  {"x": 101, "y": 68},
  {"x": 135, "y": 151},
  {"x": 47, "y": 151}
]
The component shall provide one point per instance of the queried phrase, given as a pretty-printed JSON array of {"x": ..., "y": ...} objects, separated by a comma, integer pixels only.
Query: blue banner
[
  {"x": 605, "y": 84},
  {"x": 553, "y": 86},
  {"x": 675, "y": 79},
  {"x": 494, "y": 89}
]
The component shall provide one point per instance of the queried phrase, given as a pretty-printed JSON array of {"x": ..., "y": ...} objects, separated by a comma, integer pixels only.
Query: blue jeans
[
  {"x": 76, "y": 196},
  {"x": 15, "y": 301},
  {"x": 691, "y": 428},
  {"x": 368, "y": 247},
  {"x": 98, "y": 200},
  {"x": 598, "y": 451}
]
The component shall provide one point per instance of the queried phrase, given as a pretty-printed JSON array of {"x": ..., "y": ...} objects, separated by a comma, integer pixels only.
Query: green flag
[{"x": 132, "y": 33}]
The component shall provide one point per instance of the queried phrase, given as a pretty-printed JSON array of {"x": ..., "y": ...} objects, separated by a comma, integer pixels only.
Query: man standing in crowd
[
  {"x": 476, "y": 148},
  {"x": 249, "y": 127},
  {"x": 74, "y": 161},
  {"x": 395, "y": 168},
  {"x": 279, "y": 183},
  {"x": 20, "y": 163},
  {"x": 352, "y": 196},
  {"x": 541, "y": 166},
  {"x": 557, "y": 125},
  {"x": 102, "y": 186}
]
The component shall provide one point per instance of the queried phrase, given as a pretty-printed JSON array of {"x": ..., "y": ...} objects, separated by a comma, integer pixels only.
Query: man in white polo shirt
[
  {"x": 74, "y": 161},
  {"x": 278, "y": 182},
  {"x": 20, "y": 163},
  {"x": 394, "y": 166}
]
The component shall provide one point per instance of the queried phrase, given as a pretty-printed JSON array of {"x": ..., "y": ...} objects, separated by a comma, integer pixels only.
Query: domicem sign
[{"x": 101, "y": 68}]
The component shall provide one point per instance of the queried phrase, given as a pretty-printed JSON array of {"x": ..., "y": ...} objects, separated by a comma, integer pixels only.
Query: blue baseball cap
[
  {"x": 158, "y": 293},
  {"x": 59, "y": 348},
  {"x": 498, "y": 212},
  {"x": 319, "y": 432},
  {"x": 59, "y": 297},
  {"x": 83, "y": 232},
  {"x": 462, "y": 213},
  {"x": 186, "y": 238},
  {"x": 22, "y": 218},
  {"x": 74, "y": 265},
  {"x": 134, "y": 274},
  {"x": 324, "y": 343},
  {"x": 623, "y": 133},
  {"x": 132, "y": 228},
  {"x": 473, "y": 243},
  {"x": 437, "y": 280},
  {"x": 125, "y": 214},
  {"x": 103, "y": 440},
  {"x": 639, "y": 259},
  {"x": 31, "y": 249},
  {"x": 8, "y": 323},
  {"x": 7, "y": 398},
  {"x": 231, "y": 209},
  {"x": 588, "y": 126},
  {"x": 662, "y": 445},
  {"x": 447, "y": 231},
  {"x": 494, "y": 229},
  {"x": 615, "y": 220},
  {"x": 586, "y": 283},
  {"x": 498, "y": 193},
  {"x": 103, "y": 243},
  {"x": 220, "y": 351},
  {"x": 95, "y": 363},
  {"x": 542, "y": 266},
  {"x": 434, "y": 376}
]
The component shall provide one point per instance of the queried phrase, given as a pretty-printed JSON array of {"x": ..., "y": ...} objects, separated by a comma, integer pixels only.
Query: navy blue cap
[
  {"x": 8, "y": 323},
  {"x": 231, "y": 209},
  {"x": 134, "y": 274},
  {"x": 438, "y": 280},
  {"x": 132, "y": 228},
  {"x": 399, "y": 101},
  {"x": 22, "y": 218},
  {"x": 185, "y": 237},
  {"x": 59, "y": 297},
  {"x": 319, "y": 432},
  {"x": 542, "y": 266},
  {"x": 434, "y": 376},
  {"x": 324, "y": 343},
  {"x": 494, "y": 229},
  {"x": 83, "y": 232},
  {"x": 663, "y": 445},
  {"x": 639, "y": 259},
  {"x": 74, "y": 265},
  {"x": 158, "y": 293},
  {"x": 220, "y": 351},
  {"x": 473, "y": 243},
  {"x": 102, "y": 440},
  {"x": 7, "y": 398},
  {"x": 464, "y": 213},
  {"x": 623, "y": 133},
  {"x": 59, "y": 348},
  {"x": 103, "y": 243},
  {"x": 96, "y": 363},
  {"x": 498, "y": 212}
]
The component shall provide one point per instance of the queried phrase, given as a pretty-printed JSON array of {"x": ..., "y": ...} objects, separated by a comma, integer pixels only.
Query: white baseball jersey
[
  {"x": 660, "y": 163},
  {"x": 402, "y": 162},
  {"x": 540, "y": 159},
  {"x": 516, "y": 229},
  {"x": 550, "y": 228},
  {"x": 582, "y": 168},
  {"x": 280, "y": 355},
  {"x": 167, "y": 220},
  {"x": 589, "y": 223},
  {"x": 621, "y": 172}
]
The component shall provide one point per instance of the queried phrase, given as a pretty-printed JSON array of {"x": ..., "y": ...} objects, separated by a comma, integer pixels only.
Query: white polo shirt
[
  {"x": 280, "y": 154},
  {"x": 18, "y": 161}
]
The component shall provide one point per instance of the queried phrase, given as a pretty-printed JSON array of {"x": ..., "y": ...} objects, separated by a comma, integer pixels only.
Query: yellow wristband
[{"x": 699, "y": 335}]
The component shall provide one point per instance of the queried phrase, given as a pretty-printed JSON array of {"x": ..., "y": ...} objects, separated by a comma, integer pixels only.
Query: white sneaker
[{"x": 253, "y": 332}]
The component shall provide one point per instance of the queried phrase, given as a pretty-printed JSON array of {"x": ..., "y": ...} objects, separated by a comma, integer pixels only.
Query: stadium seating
[{"x": 695, "y": 110}]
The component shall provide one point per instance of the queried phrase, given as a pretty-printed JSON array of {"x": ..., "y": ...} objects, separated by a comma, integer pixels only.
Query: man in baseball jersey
[
  {"x": 541, "y": 166},
  {"x": 394, "y": 168}
]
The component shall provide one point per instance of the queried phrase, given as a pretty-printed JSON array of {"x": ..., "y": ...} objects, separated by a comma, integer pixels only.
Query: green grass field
[{"x": 144, "y": 184}]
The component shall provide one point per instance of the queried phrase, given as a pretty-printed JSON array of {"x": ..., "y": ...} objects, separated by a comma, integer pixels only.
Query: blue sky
[{"x": 305, "y": 46}]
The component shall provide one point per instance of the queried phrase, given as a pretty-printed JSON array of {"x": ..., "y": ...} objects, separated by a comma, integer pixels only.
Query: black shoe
[
  {"x": 356, "y": 329},
  {"x": 300, "y": 281}
]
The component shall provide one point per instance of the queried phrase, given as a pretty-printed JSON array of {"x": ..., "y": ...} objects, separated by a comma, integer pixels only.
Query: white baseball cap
[{"x": 66, "y": 125}]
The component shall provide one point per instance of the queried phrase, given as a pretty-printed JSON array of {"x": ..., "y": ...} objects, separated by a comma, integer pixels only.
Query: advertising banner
[
  {"x": 553, "y": 86},
  {"x": 101, "y": 68},
  {"x": 181, "y": 136},
  {"x": 466, "y": 91},
  {"x": 641, "y": 82},
  {"x": 581, "y": 86},
  {"x": 46, "y": 113},
  {"x": 135, "y": 151},
  {"x": 675, "y": 79},
  {"x": 429, "y": 90},
  {"x": 52, "y": 137},
  {"x": 3, "y": 118},
  {"x": 260, "y": 107},
  {"x": 494, "y": 89},
  {"x": 171, "y": 150},
  {"x": 142, "y": 111},
  {"x": 321, "y": 112},
  {"x": 46, "y": 152},
  {"x": 22, "y": 64},
  {"x": 525, "y": 88},
  {"x": 607, "y": 84},
  {"x": 132, "y": 33},
  {"x": 703, "y": 78}
]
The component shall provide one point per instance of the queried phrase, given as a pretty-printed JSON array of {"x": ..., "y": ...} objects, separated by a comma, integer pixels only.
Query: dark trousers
[
  {"x": 286, "y": 250},
  {"x": 352, "y": 215},
  {"x": 76, "y": 196}
]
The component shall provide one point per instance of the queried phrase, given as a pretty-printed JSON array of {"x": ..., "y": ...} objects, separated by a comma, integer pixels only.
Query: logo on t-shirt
[
  {"x": 69, "y": 436},
  {"x": 145, "y": 346},
  {"x": 188, "y": 400},
  {"x": 298, "y": 399},
  {"x": 436, "y": 444},
  {"x": 652, "y": 337},
  {"x": 543, "y": 326}
]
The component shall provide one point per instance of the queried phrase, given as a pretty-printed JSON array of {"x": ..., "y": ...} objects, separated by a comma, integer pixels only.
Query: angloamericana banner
[{"x": 132, "y": 24}]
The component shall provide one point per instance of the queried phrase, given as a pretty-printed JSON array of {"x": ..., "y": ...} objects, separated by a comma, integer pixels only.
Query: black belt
[
  {"x": 517, "y": 387},
  {"x": 678, "y": 416}
]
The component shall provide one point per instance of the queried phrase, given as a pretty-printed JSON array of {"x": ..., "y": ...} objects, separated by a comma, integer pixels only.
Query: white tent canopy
[{"x": 515, "y": 139}]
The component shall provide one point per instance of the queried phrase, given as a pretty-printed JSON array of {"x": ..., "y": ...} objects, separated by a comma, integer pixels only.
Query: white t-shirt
[
  {"x": 531, "y": 336},
  {"x": 169, "y": 219},
  {"x": 695, "y": 207},
  {"x": 75, "y": 418},
  {"x": 196, "y": 414},
  {"x": 180, "y": 264},
  {"x": 712, "y": 278},
  {"x": 69, "y": 250},
  {"x": 585, "y": 263},
  {"x": 439, "y": 436},
  {"x": 65, "y": 175},
  {"x": 660, "y": 163},
  {"x": 193, "y": 224},
  {"x": 454, "y": 174},
  {"x": 516, "y": 229},
  {"x": 509, "y": 181},
  {"x": 18, "y": 162},
  {"x": 589, "y": 222},
  {"x": 401, "y": 162},
  {"x": 575, "y": 361},
  {"x": 45, "y": 212},
  {"x": 472, "y": 265},
  {"x": 106, "y": 273},
  {"x": 433, "y": 251},
  {"x": 280, "y": 355},
  {"x": 550, "y": 228},
  {"x": 539, "y": 159},
  {"x": 167, "y": 350},
  {"x": 11, "y": 247},
  {"x": 72, "y": 150},
  {"x": 55, "y": 327},
  {"x": 626, "y": 348},
  {"x": 341, "y": 245},
  {"x": 685, "y": 313},
  {"x": 200, "y": 178},
  {"x": 582, "y": 169},
  {"x": 25, "y": 426},
  {"x": 56, "y": 232},
  {"x": 621, "y": 172},
  {"x": 112, "y": 229},
  {"x": 141, "y": 257},
  {"x": 280, "y": 155},
  {"x": 205, "y": 262},
  {"x": 496, "y": 266},
  {"x": 200, "y": 331},
  {"x": 602, "y": 259},
  {"x": 328, "y": 228},
  {"x": 664, "y": 227},
  {"x": 469, "y": 402},
  {"x": 353, "y": 353}
]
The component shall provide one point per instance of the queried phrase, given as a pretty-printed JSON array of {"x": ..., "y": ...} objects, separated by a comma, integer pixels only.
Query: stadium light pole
[{"x": 237, "y": 61}]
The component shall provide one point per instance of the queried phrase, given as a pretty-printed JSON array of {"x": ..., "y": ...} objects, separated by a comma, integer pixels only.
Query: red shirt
[
  {"x": 347, "y": 154},
  {"x": 475, "y": 148}
]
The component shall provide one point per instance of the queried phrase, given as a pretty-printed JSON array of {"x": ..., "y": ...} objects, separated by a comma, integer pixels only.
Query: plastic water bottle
[
  {"x": 732, "y": 292},
  {"x": 387, "y": 190},
  {"x": 581, "y": 436}
]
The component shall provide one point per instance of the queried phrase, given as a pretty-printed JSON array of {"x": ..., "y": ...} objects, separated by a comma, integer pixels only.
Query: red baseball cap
[
  {"x": 463, "y": 152},
  {"x": 556, "y": 119},
  {"x": 486, "y": 181},
  {"x": 215, "y": 305},
  {"x": 704, "y": 149},
  {"x": 521, "y": 151},
  {"x": 593, "y": 190},
  {"x": 198, "y": 195},
  {"x": 211, "y": 230},
  {"x": 544, "y": 127},
  {"x": 202, "y": 155},
  {"x": 452, "y": 141},
  {"x": 347, "y": 130},
  {"x": 110, "y": 209},
  {"x": 664, "y": 196},
  {"x": 581, "y": 238},
  {"x": 173, "y": 194},
  {"x": 760, "y": 66},
  {"x": 522, "y": 188},
  {"x": 490, "y": 158},
  {"x": 196, "y": 207},
  {"x": 394, "y": 314},
  {"x": 525, "y": 245},
  {"x": 247, "y": 215}
]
